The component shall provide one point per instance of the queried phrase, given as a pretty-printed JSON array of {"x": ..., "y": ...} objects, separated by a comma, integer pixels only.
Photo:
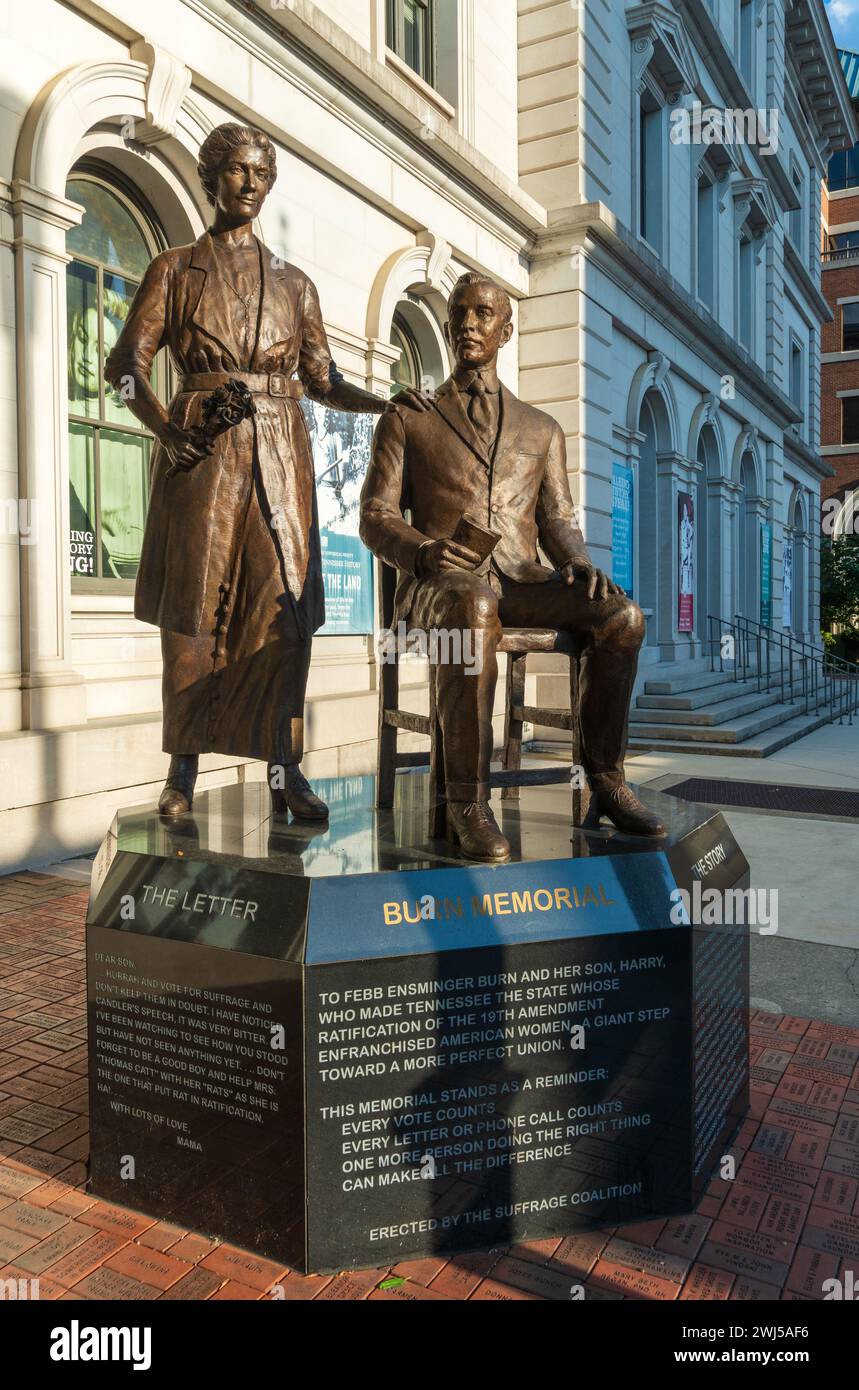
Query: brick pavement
[{"x": 787, "y": 1222}]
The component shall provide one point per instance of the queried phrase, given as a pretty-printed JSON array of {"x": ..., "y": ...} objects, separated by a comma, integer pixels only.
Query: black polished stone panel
[{"x": 341, "y": 1046}]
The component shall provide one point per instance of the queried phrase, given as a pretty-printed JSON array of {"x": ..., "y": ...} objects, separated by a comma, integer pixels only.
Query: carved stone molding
[
  {"x": 166, "y": 88},
  {"x": 661, "y": 52}
]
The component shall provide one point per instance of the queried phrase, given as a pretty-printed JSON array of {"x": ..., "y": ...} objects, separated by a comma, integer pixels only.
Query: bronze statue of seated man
[{"x": 483, "y": 453}]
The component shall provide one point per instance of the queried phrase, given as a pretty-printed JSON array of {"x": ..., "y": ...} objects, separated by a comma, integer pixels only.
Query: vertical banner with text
[
  {"x": 686, "y": 552},
  {"x": 341, "y": 454},
  {"x": 787, "y": 590},
  {"x": 766, "y": 574},
  {"x": 621, "y": 527}
]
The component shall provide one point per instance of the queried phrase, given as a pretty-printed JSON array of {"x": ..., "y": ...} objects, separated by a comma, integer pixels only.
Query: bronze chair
[{"x": 518, "y": 643}]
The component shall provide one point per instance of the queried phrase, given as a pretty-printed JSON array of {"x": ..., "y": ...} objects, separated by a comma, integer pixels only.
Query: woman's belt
[{"x": 260, "y": 383}]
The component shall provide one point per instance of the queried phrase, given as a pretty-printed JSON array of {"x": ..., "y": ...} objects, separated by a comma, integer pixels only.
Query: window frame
[
  {"x": 395, "y": 36},
  {"x": 853, "y": 304},
  {"x": 796, "y": 219},
  {"x": 841, "y": 184},
  {"x": 746, "y": 46},
  {"x": 410, "y": 350},
  {"x": 745, "y": 305},
  {"x": 854, "y": 402},
  {"x": 705, "y": 183},
  {"x": 162, "y": 373},
  {"x": 652, "y": 156},
  {"x": 797, "y": 375}
]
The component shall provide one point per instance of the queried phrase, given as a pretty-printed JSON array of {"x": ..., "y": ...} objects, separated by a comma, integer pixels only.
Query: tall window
[
  {"x": 843, "y": 170},
  {"x": 746, "y": 291},
  {"x": 850, "y": 327},
  {"x": 108, "y": 451},
  {"x": 410, "y": 34},
  {"x": 797, "y": 374},
  {"x": 706, "y": 242},
  {"x": 408, "y": 370},
  {"x": 796, "y": 218},
  {"x": 850, "y": 420},
  {"x": 650, "y": 167},
  {"x": 747, "y": 41}
]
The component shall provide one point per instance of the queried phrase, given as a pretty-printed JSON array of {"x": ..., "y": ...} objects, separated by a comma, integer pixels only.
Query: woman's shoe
[
  {"x": 296, "y": 796},
  {"x": 177, "y": 795}
]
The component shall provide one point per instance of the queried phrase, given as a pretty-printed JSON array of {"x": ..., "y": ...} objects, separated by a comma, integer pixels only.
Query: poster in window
[
  {"x": 766, "y": 574},
  {"x": 341, "y": 455},
  {"x": 621, "y": 527},
  {"x": 787, "y": 591},
  {"x": 686, "y": 534}
]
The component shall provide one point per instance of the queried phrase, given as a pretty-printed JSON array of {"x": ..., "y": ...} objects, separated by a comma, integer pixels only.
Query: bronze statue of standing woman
[{"x": 231, "y": 566}]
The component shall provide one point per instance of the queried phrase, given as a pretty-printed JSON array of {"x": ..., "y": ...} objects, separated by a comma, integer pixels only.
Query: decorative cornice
[
  {"x": 660, "y": 47},
  {"x": 811, "y": 47},
  {"x": 754, "y": 204},
  {"x": 29, "y": 201},
  {"x": 166, "y": 88},
  {"x": 800, "y": 452},
  {"x": 721, "y": 62}
]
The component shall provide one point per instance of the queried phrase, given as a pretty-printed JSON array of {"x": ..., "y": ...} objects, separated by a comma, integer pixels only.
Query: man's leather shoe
[
  {"x": 619, "y": 803},
  {"x": 177, "y": 795},
  {"x": 296, "y": 795},
  {"x": 472, "y": 826}
]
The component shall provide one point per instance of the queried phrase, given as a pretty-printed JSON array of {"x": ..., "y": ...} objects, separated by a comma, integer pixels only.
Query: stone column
[
  {"x": 53, "y": 693},
  {"x": 381, "y": 359}
]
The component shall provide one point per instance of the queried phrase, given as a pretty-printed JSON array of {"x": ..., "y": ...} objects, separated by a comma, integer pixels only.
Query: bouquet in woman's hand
[{"x": 227, "y": 406}]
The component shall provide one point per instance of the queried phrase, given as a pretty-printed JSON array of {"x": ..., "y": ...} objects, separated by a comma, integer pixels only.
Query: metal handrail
[{"x": 775, "y": 659}]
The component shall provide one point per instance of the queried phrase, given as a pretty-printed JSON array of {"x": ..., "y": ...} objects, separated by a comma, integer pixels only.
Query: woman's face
[{"x": 243, "y": 184}]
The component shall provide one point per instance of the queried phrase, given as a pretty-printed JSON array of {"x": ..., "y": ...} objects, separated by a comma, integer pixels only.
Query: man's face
[
  {"x": 243, "y": 183},
  {"x": 478, "y": 325}
]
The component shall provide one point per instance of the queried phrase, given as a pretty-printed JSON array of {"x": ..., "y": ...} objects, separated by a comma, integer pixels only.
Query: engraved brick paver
[{"x": 787, "y": 1222}]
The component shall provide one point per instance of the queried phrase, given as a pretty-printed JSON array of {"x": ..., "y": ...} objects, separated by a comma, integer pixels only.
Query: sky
[{"x": 844, "y": 18}]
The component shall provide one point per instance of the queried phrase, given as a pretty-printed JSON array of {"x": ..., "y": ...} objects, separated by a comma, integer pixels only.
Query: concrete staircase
[
  {"x": 710, "y": 712},
  {"x": 691, "y": 709}
]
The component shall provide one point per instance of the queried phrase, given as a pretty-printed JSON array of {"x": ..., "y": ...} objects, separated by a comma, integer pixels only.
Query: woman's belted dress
[{"x": 231, "y": 568}]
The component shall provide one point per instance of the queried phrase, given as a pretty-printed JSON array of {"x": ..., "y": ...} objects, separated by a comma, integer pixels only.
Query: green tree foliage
[{"x": 839, "y": 589}]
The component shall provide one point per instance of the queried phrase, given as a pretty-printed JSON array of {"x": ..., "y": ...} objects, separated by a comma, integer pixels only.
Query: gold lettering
[
  {"x": 501, "y": 900},
  {"x": 562, "y": 898},
  {"x": 393, "y": 916}
]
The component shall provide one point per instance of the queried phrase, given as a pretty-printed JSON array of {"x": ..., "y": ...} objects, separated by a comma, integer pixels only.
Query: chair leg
[
  {"x": 515, "y": 695},
  {"x": 386, "y": 766},
  {"x": 438, "y": 803},
  {"x": 580, "y": 784}
]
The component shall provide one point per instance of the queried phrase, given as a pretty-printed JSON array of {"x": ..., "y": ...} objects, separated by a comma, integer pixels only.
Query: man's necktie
[{"x": 480, "y": 412}]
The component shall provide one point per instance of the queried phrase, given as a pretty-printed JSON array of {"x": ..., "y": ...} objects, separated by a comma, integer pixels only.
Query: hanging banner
[
  {"x": 621, "y": 527},
  {"x": 341, "y": 455},
  {"x": 686, "y": 550},
  {"x": 766, "y": 574},
  {"x": 787, "y": 591}
]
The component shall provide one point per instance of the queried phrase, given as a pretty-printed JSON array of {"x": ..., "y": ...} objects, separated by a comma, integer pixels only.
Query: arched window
[
  {"x": 408, "y": 370},
  {"x": 424, "y": 359},
  {"x": 748, "y": 543},
  {"x": 108, "y": 450}
]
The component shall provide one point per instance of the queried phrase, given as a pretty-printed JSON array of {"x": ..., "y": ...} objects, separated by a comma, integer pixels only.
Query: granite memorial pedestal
[{"x": 340, "y": 1046}]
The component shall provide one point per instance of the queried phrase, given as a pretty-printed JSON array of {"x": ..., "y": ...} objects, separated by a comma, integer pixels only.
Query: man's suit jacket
[{"x": 434, "y": 464}]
